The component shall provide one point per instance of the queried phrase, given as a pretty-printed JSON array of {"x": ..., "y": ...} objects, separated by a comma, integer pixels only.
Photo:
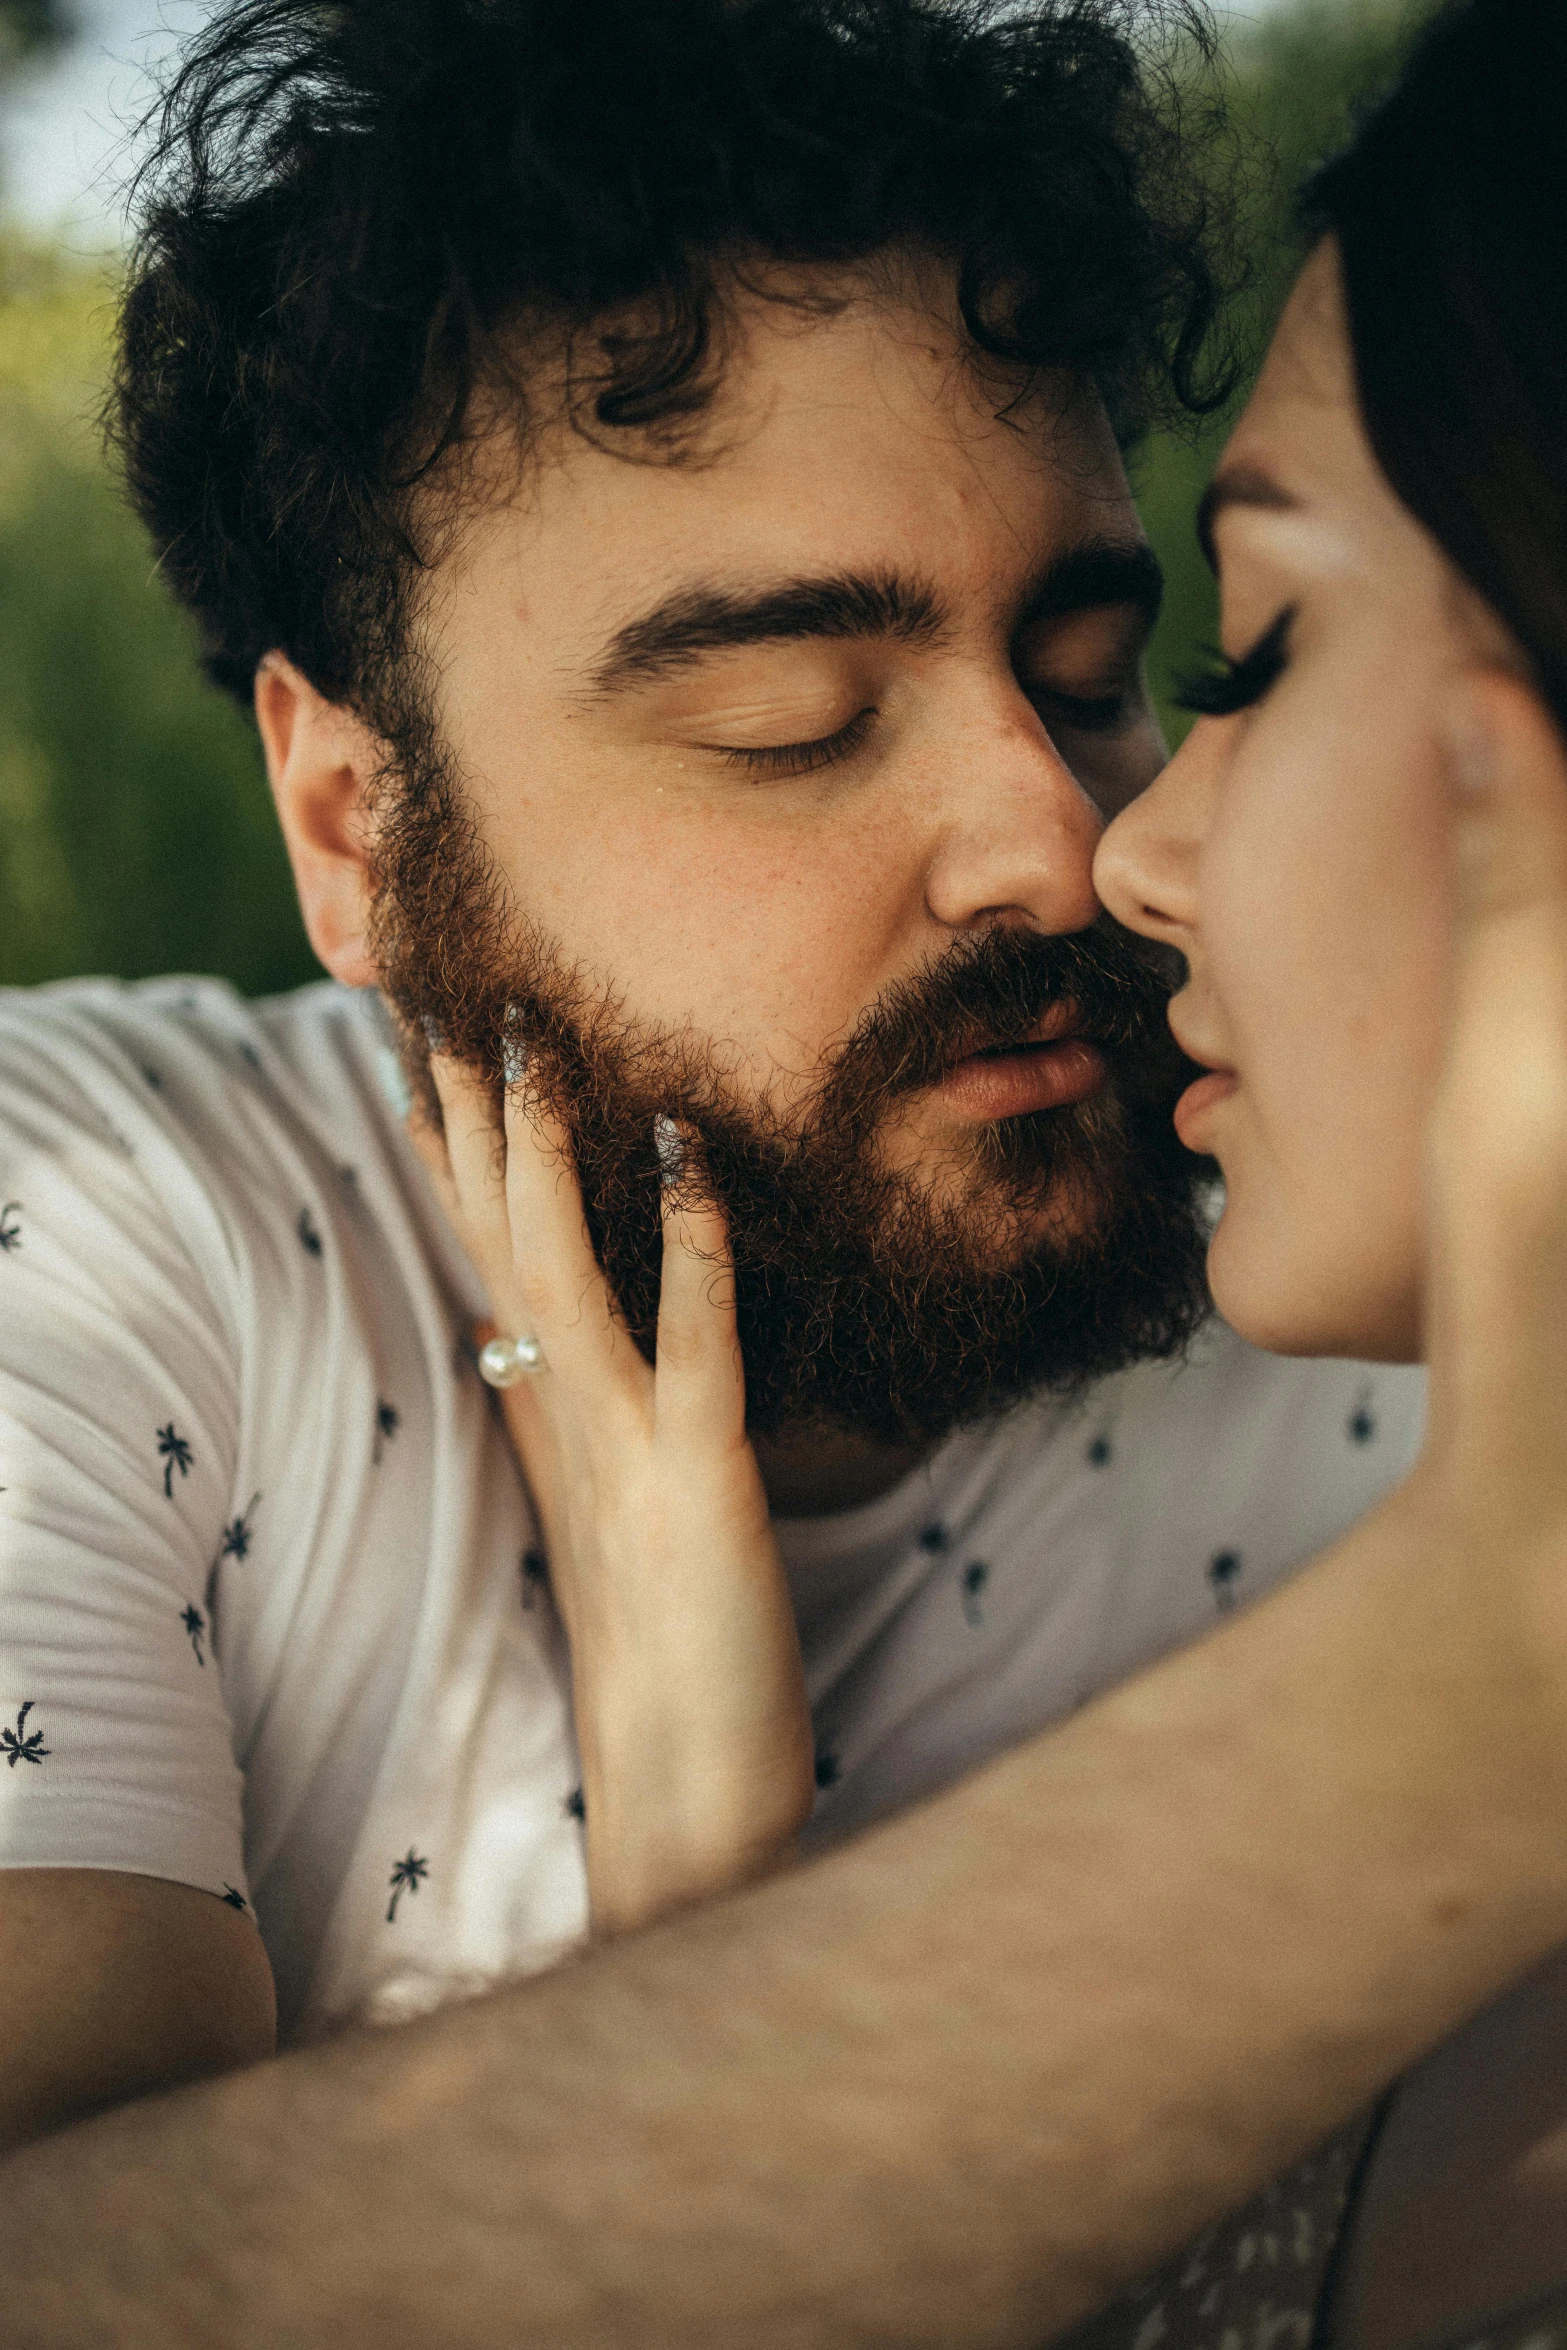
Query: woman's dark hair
[
  {"x": 1450, "y": 212},
  {"x": 357, "y": 214}
]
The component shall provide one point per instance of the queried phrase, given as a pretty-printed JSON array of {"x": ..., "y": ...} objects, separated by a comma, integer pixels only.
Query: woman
[
  {"x": 1387, "y": 523},
  {"x": 1391, "y": 525}
]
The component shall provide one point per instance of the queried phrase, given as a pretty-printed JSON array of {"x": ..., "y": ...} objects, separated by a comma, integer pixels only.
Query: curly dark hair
[{"x": 356, "y": 213}]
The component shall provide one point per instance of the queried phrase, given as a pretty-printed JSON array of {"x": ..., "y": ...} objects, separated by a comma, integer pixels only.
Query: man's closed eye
[{"x": 799, "y": 758}]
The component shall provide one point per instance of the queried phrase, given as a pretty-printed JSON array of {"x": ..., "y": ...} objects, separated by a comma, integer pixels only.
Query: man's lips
[{"x": 1047, "y": 1070}]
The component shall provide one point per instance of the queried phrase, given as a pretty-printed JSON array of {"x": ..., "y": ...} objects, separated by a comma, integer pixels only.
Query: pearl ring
[{"x": 503, "y": 1361}]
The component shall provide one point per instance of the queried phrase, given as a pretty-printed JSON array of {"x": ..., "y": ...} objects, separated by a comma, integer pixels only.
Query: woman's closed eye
[{"x": 1235, "y": 685}]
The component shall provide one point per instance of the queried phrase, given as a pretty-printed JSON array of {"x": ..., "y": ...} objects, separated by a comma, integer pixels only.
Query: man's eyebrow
[
  {"x": 1237, "y": 485},
  {"x": 1094, "y": 575},
  {"x": 711, "y": 619},
  {"x": 704, "y": 619}
]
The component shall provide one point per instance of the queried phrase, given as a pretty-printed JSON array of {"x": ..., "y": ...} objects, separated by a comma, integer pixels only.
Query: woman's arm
[{"x": 948, "y": 2087}]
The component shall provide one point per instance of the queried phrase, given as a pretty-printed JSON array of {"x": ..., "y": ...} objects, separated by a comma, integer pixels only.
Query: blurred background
[{"x": 136, "y": 835}]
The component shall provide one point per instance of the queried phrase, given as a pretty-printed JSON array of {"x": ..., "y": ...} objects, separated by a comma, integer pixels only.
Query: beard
[{"x": 1058, "y": 1246}]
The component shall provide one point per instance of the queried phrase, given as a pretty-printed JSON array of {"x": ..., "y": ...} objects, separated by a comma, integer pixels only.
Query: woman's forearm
[{"x": 950, "y": 2086}]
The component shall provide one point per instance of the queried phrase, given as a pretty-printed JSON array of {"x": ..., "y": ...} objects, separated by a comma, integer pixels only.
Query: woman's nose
[{"x": 1145, "y": 868}]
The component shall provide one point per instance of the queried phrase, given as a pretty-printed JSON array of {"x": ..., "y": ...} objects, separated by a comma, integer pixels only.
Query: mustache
[
  {"x": 982, "y": 993},
  {"x": 986, "y": 993}
]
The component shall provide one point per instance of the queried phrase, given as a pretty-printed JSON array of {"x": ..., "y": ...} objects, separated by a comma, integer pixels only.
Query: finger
[
  {"x": 474, "y": 1191},
  {"x": 1499, "y": 1134},
  {"x": 429, "y": 1144},
  {"x": 475, "y": 1144},
  {"x": 1507, "y": 1054},
  {"x": 1509, "y": 772},
  {"x": 570, "y": 1306},
  {"x": 533, "y": 1439},
  {"x": 699, "y": 1381}
]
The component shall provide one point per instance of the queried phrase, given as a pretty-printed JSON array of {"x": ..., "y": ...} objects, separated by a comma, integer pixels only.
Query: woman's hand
[
  {"x": 1496, "y": 1319},
  {"x": 691, "y": 1715}
]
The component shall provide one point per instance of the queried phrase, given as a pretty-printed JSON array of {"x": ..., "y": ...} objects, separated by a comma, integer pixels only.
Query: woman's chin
[{"x": 1289, "y": 1297}]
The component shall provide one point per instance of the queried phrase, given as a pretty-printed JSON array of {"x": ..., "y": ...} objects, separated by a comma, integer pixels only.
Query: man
[{"x": 657, "y": 473}]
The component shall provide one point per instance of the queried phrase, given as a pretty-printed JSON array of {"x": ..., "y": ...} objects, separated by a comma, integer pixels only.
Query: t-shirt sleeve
[{"x": 118, "y": 1437}]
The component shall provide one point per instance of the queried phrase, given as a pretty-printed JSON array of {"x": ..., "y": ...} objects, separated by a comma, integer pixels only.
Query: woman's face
[{"x": 1296, "y": 851}]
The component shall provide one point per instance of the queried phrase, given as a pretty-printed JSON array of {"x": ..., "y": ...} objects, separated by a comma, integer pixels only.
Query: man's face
[{"x": 782, "y": 766}]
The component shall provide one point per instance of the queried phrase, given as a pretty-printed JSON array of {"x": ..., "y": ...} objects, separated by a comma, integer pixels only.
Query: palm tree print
[
  {"x": 10, "y": 1227},
  {"x": 234, "y": 1898},
  {"x": 22, "y": 1744},
  {"x": 238, "y": 1532},
  {"x": 407, "y": 1876},
  {"x": 175, "y": 1453},
  {"x": 535, "y": 1574},
  {"x": 195, "y": 1624},
  {"x": 974, "y": 1580},
  {"x": 388, "y": 1419},
  {"x": 309, "y": 1237},
  {"x": 1223, "y": 1574},
  {"x": 1362, "y": 1422}
]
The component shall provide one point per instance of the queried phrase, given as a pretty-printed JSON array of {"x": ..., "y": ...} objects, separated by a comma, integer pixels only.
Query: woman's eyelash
[
  {"x": 1235, "y": 685},
  {"x": 800, "y": 758}
]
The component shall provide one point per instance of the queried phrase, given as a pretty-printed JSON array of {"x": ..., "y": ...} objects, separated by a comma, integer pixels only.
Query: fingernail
[
  {"x": 514, "y": 1055},
  {"x": 393, "y": 1083},
  {"x": 1471, "y": 748},
  {"x": 670, "y": 1148}
]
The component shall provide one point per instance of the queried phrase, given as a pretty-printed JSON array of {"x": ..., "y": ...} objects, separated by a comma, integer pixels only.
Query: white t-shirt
[{"x": 273, "y": 1619}]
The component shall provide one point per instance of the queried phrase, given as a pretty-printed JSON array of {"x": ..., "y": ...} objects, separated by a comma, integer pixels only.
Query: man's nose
[{"x": 1016, "y": 832}]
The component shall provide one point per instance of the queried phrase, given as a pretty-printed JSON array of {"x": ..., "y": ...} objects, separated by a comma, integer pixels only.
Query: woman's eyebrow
[{"x": 1237, "y": 485}]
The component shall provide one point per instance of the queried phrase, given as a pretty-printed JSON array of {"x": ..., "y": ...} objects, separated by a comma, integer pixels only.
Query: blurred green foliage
[
  {"x": 136, "y": 833},
  {"x": 30, "y": 29},
  {"x": 136, "y": 830},
  {"x": 1295, "y": 79}
]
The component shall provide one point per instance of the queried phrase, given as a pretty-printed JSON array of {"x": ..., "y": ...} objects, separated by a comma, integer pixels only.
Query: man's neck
[{"x": 815, "y": 1472}]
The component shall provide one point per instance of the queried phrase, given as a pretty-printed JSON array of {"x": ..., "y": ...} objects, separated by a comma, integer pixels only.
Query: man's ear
[{"x": 321, "y": 762}]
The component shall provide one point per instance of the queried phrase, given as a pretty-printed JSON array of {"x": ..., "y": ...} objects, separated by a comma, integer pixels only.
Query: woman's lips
[
  {"x": 1196, "y": 1103},
  {"x": 1045, "y": 1076}
]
